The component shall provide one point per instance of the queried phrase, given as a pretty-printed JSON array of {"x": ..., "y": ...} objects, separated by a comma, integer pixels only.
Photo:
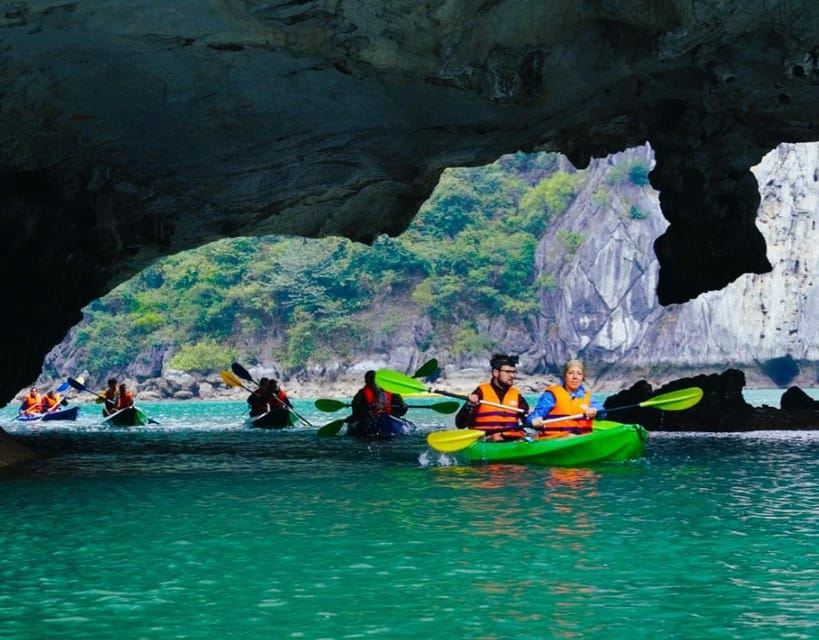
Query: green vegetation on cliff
[{"x": 469, "y": 255}]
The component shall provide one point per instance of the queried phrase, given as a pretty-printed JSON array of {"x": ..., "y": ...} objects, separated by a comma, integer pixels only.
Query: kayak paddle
[
  {"x": 395, "y": 382},
  {"x": 426, "y": 369},
  {"x": 329, "y": 405},
  {"x": 240, "y": 371},
  {"x": 332, "y": 428},
  {"x": 450, "y": 441}
]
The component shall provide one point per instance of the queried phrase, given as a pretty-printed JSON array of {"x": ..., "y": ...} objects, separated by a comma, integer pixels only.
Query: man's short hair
[{"x": 500, "y": 359}]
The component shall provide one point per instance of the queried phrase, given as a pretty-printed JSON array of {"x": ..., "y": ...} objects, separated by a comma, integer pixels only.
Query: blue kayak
[{"x": 69, "y": 413}]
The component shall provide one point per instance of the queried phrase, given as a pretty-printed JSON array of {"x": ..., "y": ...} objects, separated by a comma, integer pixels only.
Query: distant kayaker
[
  {"x": 276, "y": 396},
  {"x": 125, "y": 397},
  {"x": 257, "y": 401},
  {"x": 32, "y": 402},
  {"x": 376, "y": 412},
  {"x": 571, "y": 397},
  {"x": 52, "y": 401},
  {"x": 498, "y": 423},
  {"x": 110, "y": 395}
]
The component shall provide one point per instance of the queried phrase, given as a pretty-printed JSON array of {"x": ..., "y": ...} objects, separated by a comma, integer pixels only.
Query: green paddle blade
[
  {"x": 327, "y": 404},
  {"x": 675, "y": 400},
  {"x": 395, "y": 382},
  {"x": 450, "y": 441},
  {"x": 426, "y": 369},
  {"x": 445, "y": 407},
  {"x": 331, "y": 428}
]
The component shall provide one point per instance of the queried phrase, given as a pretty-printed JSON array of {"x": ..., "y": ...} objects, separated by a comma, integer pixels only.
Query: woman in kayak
[
  {"x": 125, "y": 397},
  {"x": 571, "y": 399}
]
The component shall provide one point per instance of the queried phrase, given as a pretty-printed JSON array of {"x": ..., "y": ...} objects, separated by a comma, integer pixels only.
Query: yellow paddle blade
[
  {"x": 450, "y": 441},
  {"x": 230, "y": 379}
]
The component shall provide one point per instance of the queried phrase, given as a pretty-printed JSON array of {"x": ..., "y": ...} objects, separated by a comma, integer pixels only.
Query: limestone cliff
[
  {"x": 605, "y": 308},
  {"x": 130, "y": 130}
]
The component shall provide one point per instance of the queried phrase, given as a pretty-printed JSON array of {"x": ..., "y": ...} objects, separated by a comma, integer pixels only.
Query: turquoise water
[{"x": 201, "y": 528}]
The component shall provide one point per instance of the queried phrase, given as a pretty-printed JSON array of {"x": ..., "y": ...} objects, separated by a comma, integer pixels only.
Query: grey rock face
[{"x": 609, "y": 314}]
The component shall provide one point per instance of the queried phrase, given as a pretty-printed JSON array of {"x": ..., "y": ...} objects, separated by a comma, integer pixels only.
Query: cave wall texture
[{"x": 131, "y": 130}]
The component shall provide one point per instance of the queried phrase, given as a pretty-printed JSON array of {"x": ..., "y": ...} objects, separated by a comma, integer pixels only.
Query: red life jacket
[
  {"x": 277, "y": 400},
  {"x": 494, "y": 419},
  {"x": 380, "y": 401},
  {"x": 565, "y": 405}
]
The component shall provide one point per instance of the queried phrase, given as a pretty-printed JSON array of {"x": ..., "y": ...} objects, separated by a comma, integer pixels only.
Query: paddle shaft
[
  {"x": 79, "y": 386},
  {"x": 435, "y": 407},
  {"x": 672, "y": 401},
  {"x": 488, "y": 403},
  {"x": 399, "y": 383}
]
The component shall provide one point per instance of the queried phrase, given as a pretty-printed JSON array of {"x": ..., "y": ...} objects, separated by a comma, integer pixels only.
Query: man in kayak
[
  {"x": 276, "y": 396},
  {"x": 110, "y": 396},
  {"x": 370, "y": 405},
  {"x": 32, "y": 402},
  {"x": 52, "y": 401},
  {"x": 257, "y": 401},
  {"x": 499, "y": 423},
  {"x": 570, "y": 398}
]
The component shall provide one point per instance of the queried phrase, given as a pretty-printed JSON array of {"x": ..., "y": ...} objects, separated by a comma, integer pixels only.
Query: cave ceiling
[{"x": 132, "y": 130}]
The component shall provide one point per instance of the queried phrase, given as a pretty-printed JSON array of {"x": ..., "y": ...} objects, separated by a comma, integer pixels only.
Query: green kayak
[
  {"x": 609, "y": 442},
  {"x": 128, "y": 417}
]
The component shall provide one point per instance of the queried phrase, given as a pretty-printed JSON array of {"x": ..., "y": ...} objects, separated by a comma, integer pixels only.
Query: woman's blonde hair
[{"x": 574, "y": 362}]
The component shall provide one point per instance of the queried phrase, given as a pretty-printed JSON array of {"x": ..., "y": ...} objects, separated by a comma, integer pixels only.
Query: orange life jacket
[
  {"x": 126, "y": 400},
  {"x": 494, "y": 419},
  {"x": 565, "y": 405},
  {"x": 379, "y": 402},
  {"x": 49, "y": 403},
  {"x": 32, "y": 403}
]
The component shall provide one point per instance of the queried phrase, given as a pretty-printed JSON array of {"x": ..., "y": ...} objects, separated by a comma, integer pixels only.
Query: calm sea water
[{"x": 201, "y": 528}]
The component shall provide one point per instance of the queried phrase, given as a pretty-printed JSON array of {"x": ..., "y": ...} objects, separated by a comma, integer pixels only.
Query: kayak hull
[
  {"x": 383, "y": 427},
  {"x": 273, "y": 419},
  {"x": 69, "y": 413},
  {"x": 608, "y": 442},
  {"x": 128, "y": 417}
]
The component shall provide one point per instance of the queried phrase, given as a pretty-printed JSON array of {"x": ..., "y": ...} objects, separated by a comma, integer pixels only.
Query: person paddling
[
  {"x": 571, "y": 397},
  {"x": 125, "y": 397},
  {"x": 110, "y": 397},
  {"x": 499, "y": 424},
  {"x": 372, "y": 404},
  {"x": 257, "y": 400},
  {"x": 52, "y": 401},
  {"x": 32, "y": 403}
]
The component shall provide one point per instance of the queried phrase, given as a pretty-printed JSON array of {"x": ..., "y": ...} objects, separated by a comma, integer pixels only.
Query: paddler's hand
[{"x": 589, "y": 412}]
